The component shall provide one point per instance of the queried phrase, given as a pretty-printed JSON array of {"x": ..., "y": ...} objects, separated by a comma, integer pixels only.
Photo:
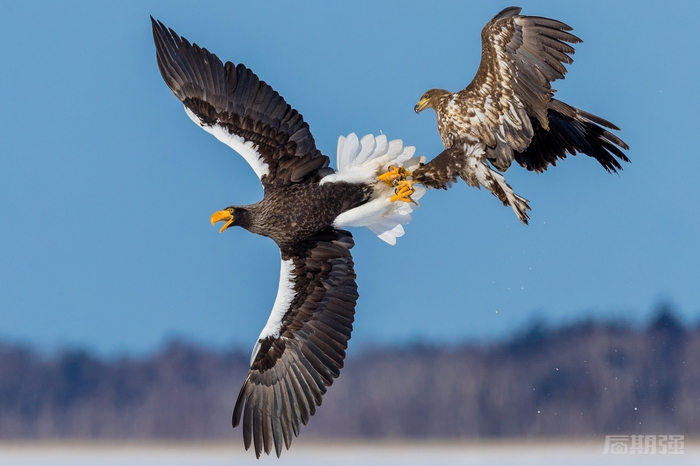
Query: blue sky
[{"x": 106, "y": 186}]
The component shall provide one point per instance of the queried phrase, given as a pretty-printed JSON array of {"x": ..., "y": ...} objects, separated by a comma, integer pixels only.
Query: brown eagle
[{"x": 507, "y": 112}]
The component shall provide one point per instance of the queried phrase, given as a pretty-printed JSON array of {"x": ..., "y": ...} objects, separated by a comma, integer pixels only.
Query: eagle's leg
[
  {"x": 496, "y": 183},
  {"x": 403, "y": 192},
  {"x": 394, "y": 175},
  {"x": 444, "y": 169}
]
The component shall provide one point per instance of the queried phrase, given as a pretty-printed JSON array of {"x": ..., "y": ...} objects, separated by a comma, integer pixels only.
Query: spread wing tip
[{"x": 242, "y": 111}]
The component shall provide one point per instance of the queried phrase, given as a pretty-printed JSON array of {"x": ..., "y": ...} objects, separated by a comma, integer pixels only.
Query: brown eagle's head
[{"x": 433, "y": 98}]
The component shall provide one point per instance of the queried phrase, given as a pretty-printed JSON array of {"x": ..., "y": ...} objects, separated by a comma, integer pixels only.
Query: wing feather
[
  {"x": 521, "y": 56},
  {"x": 289, "y": 417},
  {"x": 302, "y": 347},
  {"x": 310, "y": 379},
  {"x": 247, "y": 420},
  {"x": 277, "y": 417},
  {"x": 232, "y": 103},
  {"x": 301, "y": 389}
]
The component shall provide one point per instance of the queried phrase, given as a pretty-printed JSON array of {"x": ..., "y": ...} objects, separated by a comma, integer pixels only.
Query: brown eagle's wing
[
  {"x": 520, "y": 57},
  {"x": 240, "y": 110},
  {"x": 301, "y": 349}
]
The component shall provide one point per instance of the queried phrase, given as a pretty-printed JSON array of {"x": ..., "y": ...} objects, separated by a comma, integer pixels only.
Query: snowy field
[{"x": 417, "y": 453}]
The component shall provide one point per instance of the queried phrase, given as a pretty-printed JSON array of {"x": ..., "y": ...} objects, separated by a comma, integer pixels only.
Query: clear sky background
[{"x": 106, "y": 187}]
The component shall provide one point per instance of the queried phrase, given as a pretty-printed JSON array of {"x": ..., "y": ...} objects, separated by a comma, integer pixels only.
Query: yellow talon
[
  {"x": 403, "y": 192},
  {"x": 390, "y": 176},
  {"x": 394, "y": 175}
]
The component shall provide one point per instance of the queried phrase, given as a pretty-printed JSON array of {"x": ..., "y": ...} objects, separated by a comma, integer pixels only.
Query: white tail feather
[
  {"x": 368, "y": 146},
  {"x": 362, "y": 161}
]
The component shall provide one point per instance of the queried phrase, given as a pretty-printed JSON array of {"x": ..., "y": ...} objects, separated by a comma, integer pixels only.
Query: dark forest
[{"x": 581, "y": 380}]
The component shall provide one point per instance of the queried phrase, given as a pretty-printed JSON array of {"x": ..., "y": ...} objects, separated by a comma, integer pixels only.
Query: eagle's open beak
[
  {"x": 422, "y": 103},
  {"x": 222, "y": 216}
]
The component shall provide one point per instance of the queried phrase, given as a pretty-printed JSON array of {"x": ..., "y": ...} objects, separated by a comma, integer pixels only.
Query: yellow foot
[
  {"x": 394, "y": 175},
  {"x": 403, "y": 192}
]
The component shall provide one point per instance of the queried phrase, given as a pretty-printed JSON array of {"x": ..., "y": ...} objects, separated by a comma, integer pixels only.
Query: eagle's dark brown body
[{"x": 293, "y": 213}]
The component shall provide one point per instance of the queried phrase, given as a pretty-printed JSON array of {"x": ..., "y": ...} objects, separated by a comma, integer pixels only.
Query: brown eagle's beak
[
  {"x": 222, "y": 216},
  {"x": 422, "y": 103}
]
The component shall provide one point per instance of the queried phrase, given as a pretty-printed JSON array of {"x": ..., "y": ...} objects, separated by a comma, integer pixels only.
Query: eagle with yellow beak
[
  {"x": 305, "y": 208},
  {"x": 508, "y": 112}
]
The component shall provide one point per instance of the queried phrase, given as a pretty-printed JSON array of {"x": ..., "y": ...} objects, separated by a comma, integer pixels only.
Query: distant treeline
[{"x": 586, "y": 379}]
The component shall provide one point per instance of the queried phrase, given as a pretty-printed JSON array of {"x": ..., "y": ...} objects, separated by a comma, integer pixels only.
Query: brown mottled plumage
[{"x": 507, "y": 112}]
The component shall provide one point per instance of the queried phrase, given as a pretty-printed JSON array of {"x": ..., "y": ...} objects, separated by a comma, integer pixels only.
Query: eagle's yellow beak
[
  {"x": 222, "y": 216},
  {"x": 422, "y": 103}
]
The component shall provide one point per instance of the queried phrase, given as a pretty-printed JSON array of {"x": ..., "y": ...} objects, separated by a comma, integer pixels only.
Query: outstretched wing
[
  {"x": 301, "y": 349},
  {"x": 240, "y": 110},
  {"x": 521, "y": 56},
  {"x": 572, "y": 130}
]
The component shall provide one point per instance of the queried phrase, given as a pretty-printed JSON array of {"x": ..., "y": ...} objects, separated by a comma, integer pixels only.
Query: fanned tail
[
  {"x": 361, "y": 161},
  {"x": 572, "y": 131}
]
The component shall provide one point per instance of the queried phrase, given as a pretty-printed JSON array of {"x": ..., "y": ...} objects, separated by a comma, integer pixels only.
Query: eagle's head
[
  {"x": 233, "y": 216},
  {"x": 434, "y": 98}
]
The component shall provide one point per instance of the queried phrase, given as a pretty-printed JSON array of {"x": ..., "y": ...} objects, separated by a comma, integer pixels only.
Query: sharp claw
[
  {"x": 402, "y": 199},
  {"x": 390, "y": 176},
  {"x": 394, "y": 175},
  {"x": 404, "y": 190}
]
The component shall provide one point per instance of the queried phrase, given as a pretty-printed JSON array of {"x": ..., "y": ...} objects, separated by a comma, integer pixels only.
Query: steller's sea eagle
[
  {"x": 305, "y": 207},
  {"x": 507, "y": 112}
]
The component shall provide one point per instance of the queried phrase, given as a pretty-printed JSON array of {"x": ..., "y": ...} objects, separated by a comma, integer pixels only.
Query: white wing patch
[
  {"x": 247, "y": 149},
  {"x": 285, "y": 296},
  {"x": 362, "y": 161}
]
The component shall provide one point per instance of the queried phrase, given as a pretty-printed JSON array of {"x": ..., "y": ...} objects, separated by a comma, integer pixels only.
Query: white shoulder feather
[{"x": 285, "y": 296}]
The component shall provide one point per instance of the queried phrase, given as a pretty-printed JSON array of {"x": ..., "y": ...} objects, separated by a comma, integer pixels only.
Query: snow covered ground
[{"x": 542, "y": 453}]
